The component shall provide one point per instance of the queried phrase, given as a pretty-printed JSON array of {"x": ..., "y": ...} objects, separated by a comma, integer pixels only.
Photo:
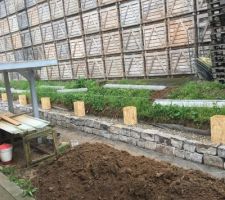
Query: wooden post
[
  {"x": 23, "y": 100},
  {"x": 45, "y": 103},
  {"x": 79, "y": 108},
  {"x": 4, "y": 97},
  {"x": 130, "y": 115},
  {"x": 218, "y": 129}
]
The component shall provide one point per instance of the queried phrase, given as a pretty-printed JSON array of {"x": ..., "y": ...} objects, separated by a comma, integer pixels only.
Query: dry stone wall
[{"x": 105, "y": 38}]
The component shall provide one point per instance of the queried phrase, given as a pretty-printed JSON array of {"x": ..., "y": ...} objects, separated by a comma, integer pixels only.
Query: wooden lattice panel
[
  {"x": 16, "y": 39},
  {"x": 88, "y": 4},
  {"x": 62, "y": 49},
  {"x": 71, "y": 6},
  {"x": 53, "y": 73},
  {"x": 134, "y": 65},
  {"x": 59, "y": 29},
  {"x": 10, "y": 7},
  {"x": 179, "y": 7},
  {"x": 111, "y": 42},
  {"x": 155, "y": 35},
  {"x": 181, "y": 31},
  {"x": 204, "y": 30},
  {"x": 79, "y": 69},
  {"x": 33, "y": 16},
  {"x": 56, "y": 7},
  {"x": 77, "y": 48},
  {"x": 30, "y": 3},
  {"x": 2, "y": 9},
  {"x": 26, "y": 38},
  {"x": 96, "y": 68},
  {"x": 20, "y": 4},
  {"x": 50, "y": 51},
  {"x": 4, "y": 27},
  {"x": 44, "y": 12},
  {"x": 13, "y": 24},
  {"x": 8, "y": 43},
  {"x": 19, "y": 55},
  {"x": 22, "y": 20},
  {"x": 65, "y": 70},
  {"x": 10, "y": 57},
  {"x": 105, "y": 2},
  {"x": 130, "y": 13},
  {"x": 38, "y": 52},
  {"x": 28, "y": 53},
  {"x": 36, "y": 35},
  {"x": 153, "y": 10},
  {"x": 156, "y": 63},
  {"x": 181, "y": 61},
  {"x": 93, "y": 45},
  {"x": 2, "y": 44},
  {"x": 132, "y": 40},
  {"x": 74, "y": 26},
  {"x": 114, "y": 66},
  {"x": 201, "y": 5},
  {"x": 91, "y": 22},
  {"x": 109, "y": 18},
  {"x": 43, "y": 73},
  {"x": 3, "y": 57},
  {"x": 47, "y": 32}
]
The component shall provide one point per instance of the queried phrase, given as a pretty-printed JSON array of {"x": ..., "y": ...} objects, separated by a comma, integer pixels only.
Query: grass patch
[{"x": 24, "y": 184}]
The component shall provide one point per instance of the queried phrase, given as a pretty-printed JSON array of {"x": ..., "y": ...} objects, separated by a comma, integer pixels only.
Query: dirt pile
[{"x": 99, "y": 172}]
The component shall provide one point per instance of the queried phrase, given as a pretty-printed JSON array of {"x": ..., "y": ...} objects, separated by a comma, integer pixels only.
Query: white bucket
[{"x": 6, "y": 154}]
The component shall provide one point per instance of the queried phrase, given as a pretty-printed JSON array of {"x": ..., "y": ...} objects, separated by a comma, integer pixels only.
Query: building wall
[{"x": 105, "y": 38}]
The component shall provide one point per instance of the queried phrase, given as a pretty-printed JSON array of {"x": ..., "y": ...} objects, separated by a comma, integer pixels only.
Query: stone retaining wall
[{"x": 157, "y": 140}]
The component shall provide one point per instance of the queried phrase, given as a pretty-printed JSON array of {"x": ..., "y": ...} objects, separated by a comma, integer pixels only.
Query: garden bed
[{"x": 97, "y": 171}]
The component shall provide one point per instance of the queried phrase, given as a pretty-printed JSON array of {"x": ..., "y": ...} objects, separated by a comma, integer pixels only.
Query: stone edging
[{"x": 160, "y": 141}]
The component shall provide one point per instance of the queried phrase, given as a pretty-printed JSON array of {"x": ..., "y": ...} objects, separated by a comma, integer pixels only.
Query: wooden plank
[
  {"x": 130, "y": 13},
  {"x": 22, "y": 20},
  {"x": 153, "y": 10},
  {"x": 47, "y": 32},
  {"x": 154, "y": 35},
  {"x": 74, "y": 26},
  {"x": 44, "y": 12},
  {"x": 65, "y": 70},
  {"x": 182, "y": 61},
  {"x": 132, "y": 40},
  {"x": 96, "y": 68},
  {"x": 181, "y": 31},
  {"x": 79, "y": 69},
  {"x": 134, "y": 65},
  {"x": 77, "y": 48},
  {"x": 36, "y": 35},
  {"x": 9, "y": 120},
  {"x": 91, "y": 22},
  {"x": 179, "y": 7},
  {"x": 109, "y": 18},
  {"x": 59, "y": 29},
  {"x": 71, "y": 7},
  {"x": 56, "y": 7},
  {"x": 156, "y": 63},
  {"x": 111, "y": 42},
  {"x": 62, "y": 49},
  {"x": 204, "y": 31},
  {"x": 114, "y": 66},
  {"x": 93, "y": 45}
]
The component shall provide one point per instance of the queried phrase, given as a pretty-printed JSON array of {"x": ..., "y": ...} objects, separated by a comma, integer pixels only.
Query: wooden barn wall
[{"x": 105, "y": 38}]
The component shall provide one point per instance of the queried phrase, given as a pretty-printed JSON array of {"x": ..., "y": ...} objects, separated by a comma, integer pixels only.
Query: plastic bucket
[{"x": 6, "y": 152}]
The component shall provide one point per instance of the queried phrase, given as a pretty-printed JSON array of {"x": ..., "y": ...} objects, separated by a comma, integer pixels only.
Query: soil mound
[{"x": 99, "y": 172}]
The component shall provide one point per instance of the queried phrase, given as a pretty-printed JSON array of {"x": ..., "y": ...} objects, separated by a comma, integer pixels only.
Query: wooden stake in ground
[
  {"x": 130, "y": 115},
  {"x": 218, "y": 129},
  {"x": 23, "y": 100},
  {"x": 45, "y": 103},
  {"x": 79, "y": 108},
  {"x": 4, "y": 97}
]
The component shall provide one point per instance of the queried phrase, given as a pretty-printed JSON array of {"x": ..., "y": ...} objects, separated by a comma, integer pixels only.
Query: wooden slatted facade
[{"x": 105, "y": 38}]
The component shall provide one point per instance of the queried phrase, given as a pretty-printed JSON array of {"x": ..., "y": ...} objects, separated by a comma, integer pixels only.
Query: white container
[{"x": 6, "y": 153}]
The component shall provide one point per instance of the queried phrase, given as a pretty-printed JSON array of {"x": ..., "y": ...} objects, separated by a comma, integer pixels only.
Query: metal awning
[{"x": 26, "y": 69}]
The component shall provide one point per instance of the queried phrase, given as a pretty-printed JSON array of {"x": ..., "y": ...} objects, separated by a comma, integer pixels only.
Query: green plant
[{"x": 24, "y": 184}]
